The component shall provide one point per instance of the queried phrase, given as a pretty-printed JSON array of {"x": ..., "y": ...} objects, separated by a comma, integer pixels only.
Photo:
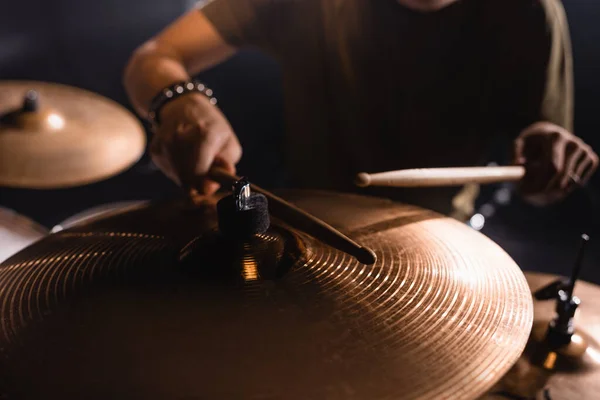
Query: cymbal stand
[{"x": 559, "y": 336}]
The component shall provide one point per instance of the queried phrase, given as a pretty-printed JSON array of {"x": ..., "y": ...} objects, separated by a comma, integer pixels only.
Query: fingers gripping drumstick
[{"x": 428, "y": 177}]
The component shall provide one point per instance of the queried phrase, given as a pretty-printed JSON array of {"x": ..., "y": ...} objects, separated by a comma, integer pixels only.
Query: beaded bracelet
[{"x": 173, "y": 92}]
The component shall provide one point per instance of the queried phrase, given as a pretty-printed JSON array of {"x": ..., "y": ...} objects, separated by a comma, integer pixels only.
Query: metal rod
[
  {"x": 302, "y": 220},
  {"x": 578, "y": 264}
]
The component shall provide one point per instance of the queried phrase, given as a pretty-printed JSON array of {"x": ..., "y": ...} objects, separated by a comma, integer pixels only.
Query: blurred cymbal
[
  {"x": 17, "y": 232},
  {"x": 67, "y": 137},
  {"x": 97, "y": 212},
  {"x": 574, "y": 376},
  {"x": 154, "y": 304}
]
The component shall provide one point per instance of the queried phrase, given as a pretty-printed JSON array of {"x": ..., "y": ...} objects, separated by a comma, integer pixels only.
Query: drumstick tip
[
  {"x": 366, "y": 256},
  {"x": 363, "y": 180}
]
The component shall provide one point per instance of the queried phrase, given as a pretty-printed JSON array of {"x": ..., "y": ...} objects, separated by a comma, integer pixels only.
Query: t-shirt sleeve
[
  {"x": 250, "y": 23},
  {"x": 558, "y": 100},
  {"x": 531, "y": 66}
]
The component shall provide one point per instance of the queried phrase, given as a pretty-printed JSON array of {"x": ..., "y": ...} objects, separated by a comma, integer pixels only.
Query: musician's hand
[
  {"x": 193, "y": 136},
  {"x": 556, "y": 162}
]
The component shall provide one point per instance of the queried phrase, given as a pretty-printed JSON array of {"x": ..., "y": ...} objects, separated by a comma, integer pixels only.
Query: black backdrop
[{"x": 87, "y": 43}]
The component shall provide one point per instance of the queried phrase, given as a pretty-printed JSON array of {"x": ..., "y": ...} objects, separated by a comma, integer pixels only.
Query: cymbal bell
[
  {"x": 155, "y": 303},
  {"x": 57, "y": 136}
]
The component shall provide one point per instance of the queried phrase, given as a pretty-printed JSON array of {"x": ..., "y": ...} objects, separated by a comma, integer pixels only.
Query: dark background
[{"x": 87, "y": 43}]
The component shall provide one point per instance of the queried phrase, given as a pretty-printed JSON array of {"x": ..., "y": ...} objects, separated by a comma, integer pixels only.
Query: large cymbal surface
[
  {"x": 73, "y": 137},
  {"x": 106, "y": 310}
]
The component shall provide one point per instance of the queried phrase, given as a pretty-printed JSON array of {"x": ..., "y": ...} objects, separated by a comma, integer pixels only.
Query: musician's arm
[
  {"x": 192, "y": 134},
  {"x": 534, "y": 100},
  {"x": 188, "y": 46}
]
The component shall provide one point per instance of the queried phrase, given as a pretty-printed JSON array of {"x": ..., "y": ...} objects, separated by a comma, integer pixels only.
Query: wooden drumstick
[
  {"x": 428, "y": 177},
  {"x": 302, "y": 220}
]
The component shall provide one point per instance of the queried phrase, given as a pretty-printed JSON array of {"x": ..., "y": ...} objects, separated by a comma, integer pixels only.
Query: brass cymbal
[
  {"x": 97, "y": 212},
  {"x": 17, "y": 232},
  {"x": 154, "y": 304},
  {"x": 574, "y": 374},
  {"x": 60, "y": 136}
]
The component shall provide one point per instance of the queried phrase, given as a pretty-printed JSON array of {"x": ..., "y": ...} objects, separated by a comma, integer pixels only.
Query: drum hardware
[
  {"x": 562, "y": 357},
  {"x": 301, "y": 220},
  {"x": 244, "y": 233},
  {"x": 243, "y": 213},
  {"x": 55, "y": 136},
  {"x": 558, "y": 339}
]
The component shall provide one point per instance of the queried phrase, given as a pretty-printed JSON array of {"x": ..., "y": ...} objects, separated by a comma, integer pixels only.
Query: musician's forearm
[{"x": 150, "y": 69}]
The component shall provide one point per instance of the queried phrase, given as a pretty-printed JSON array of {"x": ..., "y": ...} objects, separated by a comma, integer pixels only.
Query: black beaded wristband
[{"x": 174, "y": 91}]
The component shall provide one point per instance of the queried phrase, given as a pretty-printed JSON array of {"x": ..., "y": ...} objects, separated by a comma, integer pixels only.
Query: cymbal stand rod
[
  {"x": 561, "y": 328},
  {"x": 578, "y": 264},
  {"x": 302, "y": 220}
]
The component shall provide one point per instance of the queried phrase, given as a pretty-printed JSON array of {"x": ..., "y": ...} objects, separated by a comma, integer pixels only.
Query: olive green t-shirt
[{"x": 371, "y": 85}]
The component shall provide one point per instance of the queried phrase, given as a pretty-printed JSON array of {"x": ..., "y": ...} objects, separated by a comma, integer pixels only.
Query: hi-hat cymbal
[
  {"x": 572, "y": 375},
  {"x": 154, "y": 304},
  {"x": 59, "y": 136}
]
